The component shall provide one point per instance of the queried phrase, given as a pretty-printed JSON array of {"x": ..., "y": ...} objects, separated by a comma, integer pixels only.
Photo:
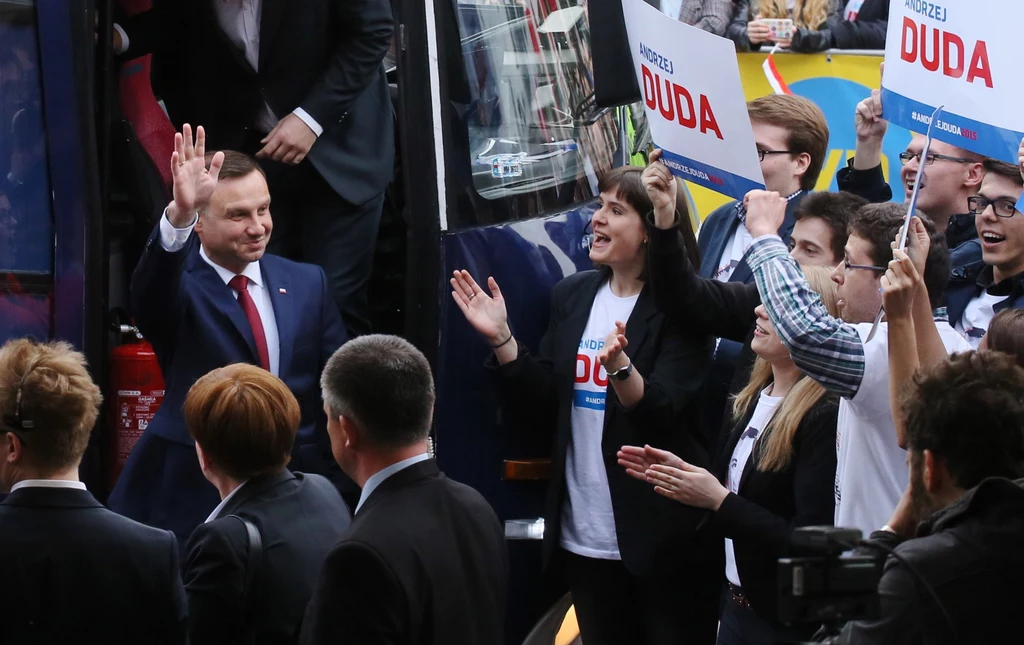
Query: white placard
[
  {"x": 690, "y": 81},
  {"x": 963, "y": 54}
]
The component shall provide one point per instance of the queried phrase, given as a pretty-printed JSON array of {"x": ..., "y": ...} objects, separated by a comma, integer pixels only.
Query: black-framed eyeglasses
[
  {"x": 932, "y": 157},
  {"x": 1001, "y": 207},
  {"x": 864, "y": 267},
  {"x": 762, "y": 153},
  {"x": 17, "y": 422}
]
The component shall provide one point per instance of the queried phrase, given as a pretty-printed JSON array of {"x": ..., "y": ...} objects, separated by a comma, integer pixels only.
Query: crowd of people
[
  {"x": 704, "y": 396},
  {"x": 815, "y": 25}
]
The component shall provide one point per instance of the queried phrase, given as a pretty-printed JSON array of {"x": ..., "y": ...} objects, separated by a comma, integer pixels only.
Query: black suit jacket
[
  {"x": 703, "y": 306},
  {"x": 321, "y": 55},
  {"x": 300, "y": 517},
  {"x": 74, "y": 572},
  {"x": 536, "y": 393},
  {"x": 761, "y": 518},
  {"x": 423, "y": 563}
]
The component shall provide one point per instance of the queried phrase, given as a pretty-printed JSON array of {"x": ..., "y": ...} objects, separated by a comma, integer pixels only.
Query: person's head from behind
[
  {"x": 620, "y": 234},
  {"x": 379, "y": 399},
  {"x": 965, "y": 423},
  {"x": 235, "y": 228},
  {"x": 868, "y": 253},
  {"x": 48, "y": 407},
  {"x": 792, "y": 135},
  {"x": 951, "y": 175},
  {"x": 1000, "y": 225},
  {"x": 1006, "y": 334},
  {"x": 822, "y": 226},
  {"x": 777, "y": 443},
  {"x": 243, "y": 420}
]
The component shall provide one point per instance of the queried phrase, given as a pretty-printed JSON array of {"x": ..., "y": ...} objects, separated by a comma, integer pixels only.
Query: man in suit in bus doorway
[
  {"x": 206, "y": 295},
  {"x": 300, "y": 86}
]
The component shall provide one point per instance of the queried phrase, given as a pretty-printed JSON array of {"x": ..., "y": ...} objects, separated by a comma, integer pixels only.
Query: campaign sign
[
  {"x": 962, "y": 54},
  {"x": 694, "y": 101}
]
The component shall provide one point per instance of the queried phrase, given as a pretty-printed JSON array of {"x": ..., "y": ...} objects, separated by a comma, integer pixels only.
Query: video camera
[{"x": 828, "y": 588}]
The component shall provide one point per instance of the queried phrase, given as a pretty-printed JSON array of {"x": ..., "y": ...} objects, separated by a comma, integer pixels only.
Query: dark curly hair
[
  {"x": 969, "y": 410},
  {"x": 878, "y": 224}
]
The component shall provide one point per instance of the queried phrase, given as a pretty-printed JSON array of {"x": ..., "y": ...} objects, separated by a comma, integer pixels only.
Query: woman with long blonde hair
[
  {"x": 817, "y": 24},
  {"x": 776, "y": 473}
]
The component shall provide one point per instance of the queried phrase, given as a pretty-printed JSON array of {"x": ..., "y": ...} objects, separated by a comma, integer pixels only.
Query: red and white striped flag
[{"x": 773, "y": 75}]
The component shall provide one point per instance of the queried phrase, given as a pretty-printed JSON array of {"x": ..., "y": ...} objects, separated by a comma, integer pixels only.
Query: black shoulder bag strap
[{"x": 252, "y": 567}]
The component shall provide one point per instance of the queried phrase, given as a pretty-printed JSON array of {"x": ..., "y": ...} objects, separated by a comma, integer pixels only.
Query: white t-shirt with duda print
[
  {"x": 979, "y": 313},
  {"x": 588, "y": 524},
  {"x": 733, "y": 254},
  {"x": 766, "y": 406},
  {"x": 871, "y": 473}
]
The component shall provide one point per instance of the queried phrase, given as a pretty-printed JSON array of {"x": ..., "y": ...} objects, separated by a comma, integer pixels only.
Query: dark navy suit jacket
[{"x": 195, "y": 325}]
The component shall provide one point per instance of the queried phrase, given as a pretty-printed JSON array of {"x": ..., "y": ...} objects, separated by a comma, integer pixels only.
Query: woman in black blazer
[
  {"x": 621, "y": 546},
  {"x": 776, "y": 472}
]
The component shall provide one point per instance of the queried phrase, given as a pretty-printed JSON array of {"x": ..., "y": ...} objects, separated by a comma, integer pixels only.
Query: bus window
[
  {"x": 532, "y": 140},
  {"x": 26, "y": 223},
  {"x": 26, "y": 219}
]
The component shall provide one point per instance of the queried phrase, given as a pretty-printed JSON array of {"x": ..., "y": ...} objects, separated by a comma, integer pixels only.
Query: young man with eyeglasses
[
  {"x": 871, "y": 474},
  {"x": 951, "y": 174},
  {"x": 988, "y": 273}
]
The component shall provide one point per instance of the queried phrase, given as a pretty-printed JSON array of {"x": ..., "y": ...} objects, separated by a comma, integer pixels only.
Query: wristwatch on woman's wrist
[{"x": 622, "y": 373}]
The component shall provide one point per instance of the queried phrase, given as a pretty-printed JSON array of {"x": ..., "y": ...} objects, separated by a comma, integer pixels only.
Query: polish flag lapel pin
[{"x": 282, "y": 290}]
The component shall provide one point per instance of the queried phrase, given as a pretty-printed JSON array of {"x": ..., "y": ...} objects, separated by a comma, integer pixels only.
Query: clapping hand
[
  {"x": 638, "y": 460},
  {"x": 765, "y": 212},
  {"x": 193, "y": 184},
  {"x": 662, "y": 190},
  {"x": 485, "y": 313},
  {"x": 613, "y": 355}
]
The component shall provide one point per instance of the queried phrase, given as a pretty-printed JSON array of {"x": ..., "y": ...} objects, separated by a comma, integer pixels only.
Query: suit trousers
[
  {"x": 615, "y": 607},
  {"x": 313, "y": 223}
]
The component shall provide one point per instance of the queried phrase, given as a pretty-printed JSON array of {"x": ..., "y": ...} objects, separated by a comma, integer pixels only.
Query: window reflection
[
  {"x": 26, "y": 227},
  {"x": 534, "y": 133}
]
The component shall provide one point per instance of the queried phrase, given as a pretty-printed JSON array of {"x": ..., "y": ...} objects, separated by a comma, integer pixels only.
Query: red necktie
[{"x": 240, "y": 283}]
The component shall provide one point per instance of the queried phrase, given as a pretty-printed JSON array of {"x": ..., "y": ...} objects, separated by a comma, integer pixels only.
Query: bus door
[{"x": 500, "y": 175}]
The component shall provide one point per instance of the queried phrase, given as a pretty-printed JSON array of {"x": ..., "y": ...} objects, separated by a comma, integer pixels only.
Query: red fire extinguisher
[{"x": 136, "y": 392}]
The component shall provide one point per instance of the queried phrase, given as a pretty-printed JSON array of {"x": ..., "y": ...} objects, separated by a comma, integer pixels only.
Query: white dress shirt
[
  {"x": 48, "y": 483},
  {"x": 224, "y": 502},
  {"x": 378, "y": 477},
  {"x": 173, "y": 239},
  {"x": 240, "y": 22}
]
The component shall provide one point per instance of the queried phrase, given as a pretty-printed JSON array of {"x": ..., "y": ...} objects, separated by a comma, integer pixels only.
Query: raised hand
[
  {"x": 899, "y": 286},
  {"x": 613, "y": 354},
  {"x": 868, "y": 121},
  {"x": 193, "y": 184},
  {"x": 765, "y": 212},
  {"x": 918, "y": 243},
  {"x": 662, "y": 189},
  {"x": 485, "y": 313},
  {"x": 1020, "y": 157}
]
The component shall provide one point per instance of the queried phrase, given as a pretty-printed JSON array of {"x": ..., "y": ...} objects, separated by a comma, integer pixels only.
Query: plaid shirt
[
  {"x": 825, "y": 348},
  {"x": 710, "y": 15}
]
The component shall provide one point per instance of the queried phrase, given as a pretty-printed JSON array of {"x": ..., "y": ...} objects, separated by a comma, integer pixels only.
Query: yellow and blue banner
[{"x": 837, "y": 83}]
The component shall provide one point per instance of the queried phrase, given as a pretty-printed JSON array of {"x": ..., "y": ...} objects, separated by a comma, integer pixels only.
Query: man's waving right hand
[{"x": 193, "y": 184}]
